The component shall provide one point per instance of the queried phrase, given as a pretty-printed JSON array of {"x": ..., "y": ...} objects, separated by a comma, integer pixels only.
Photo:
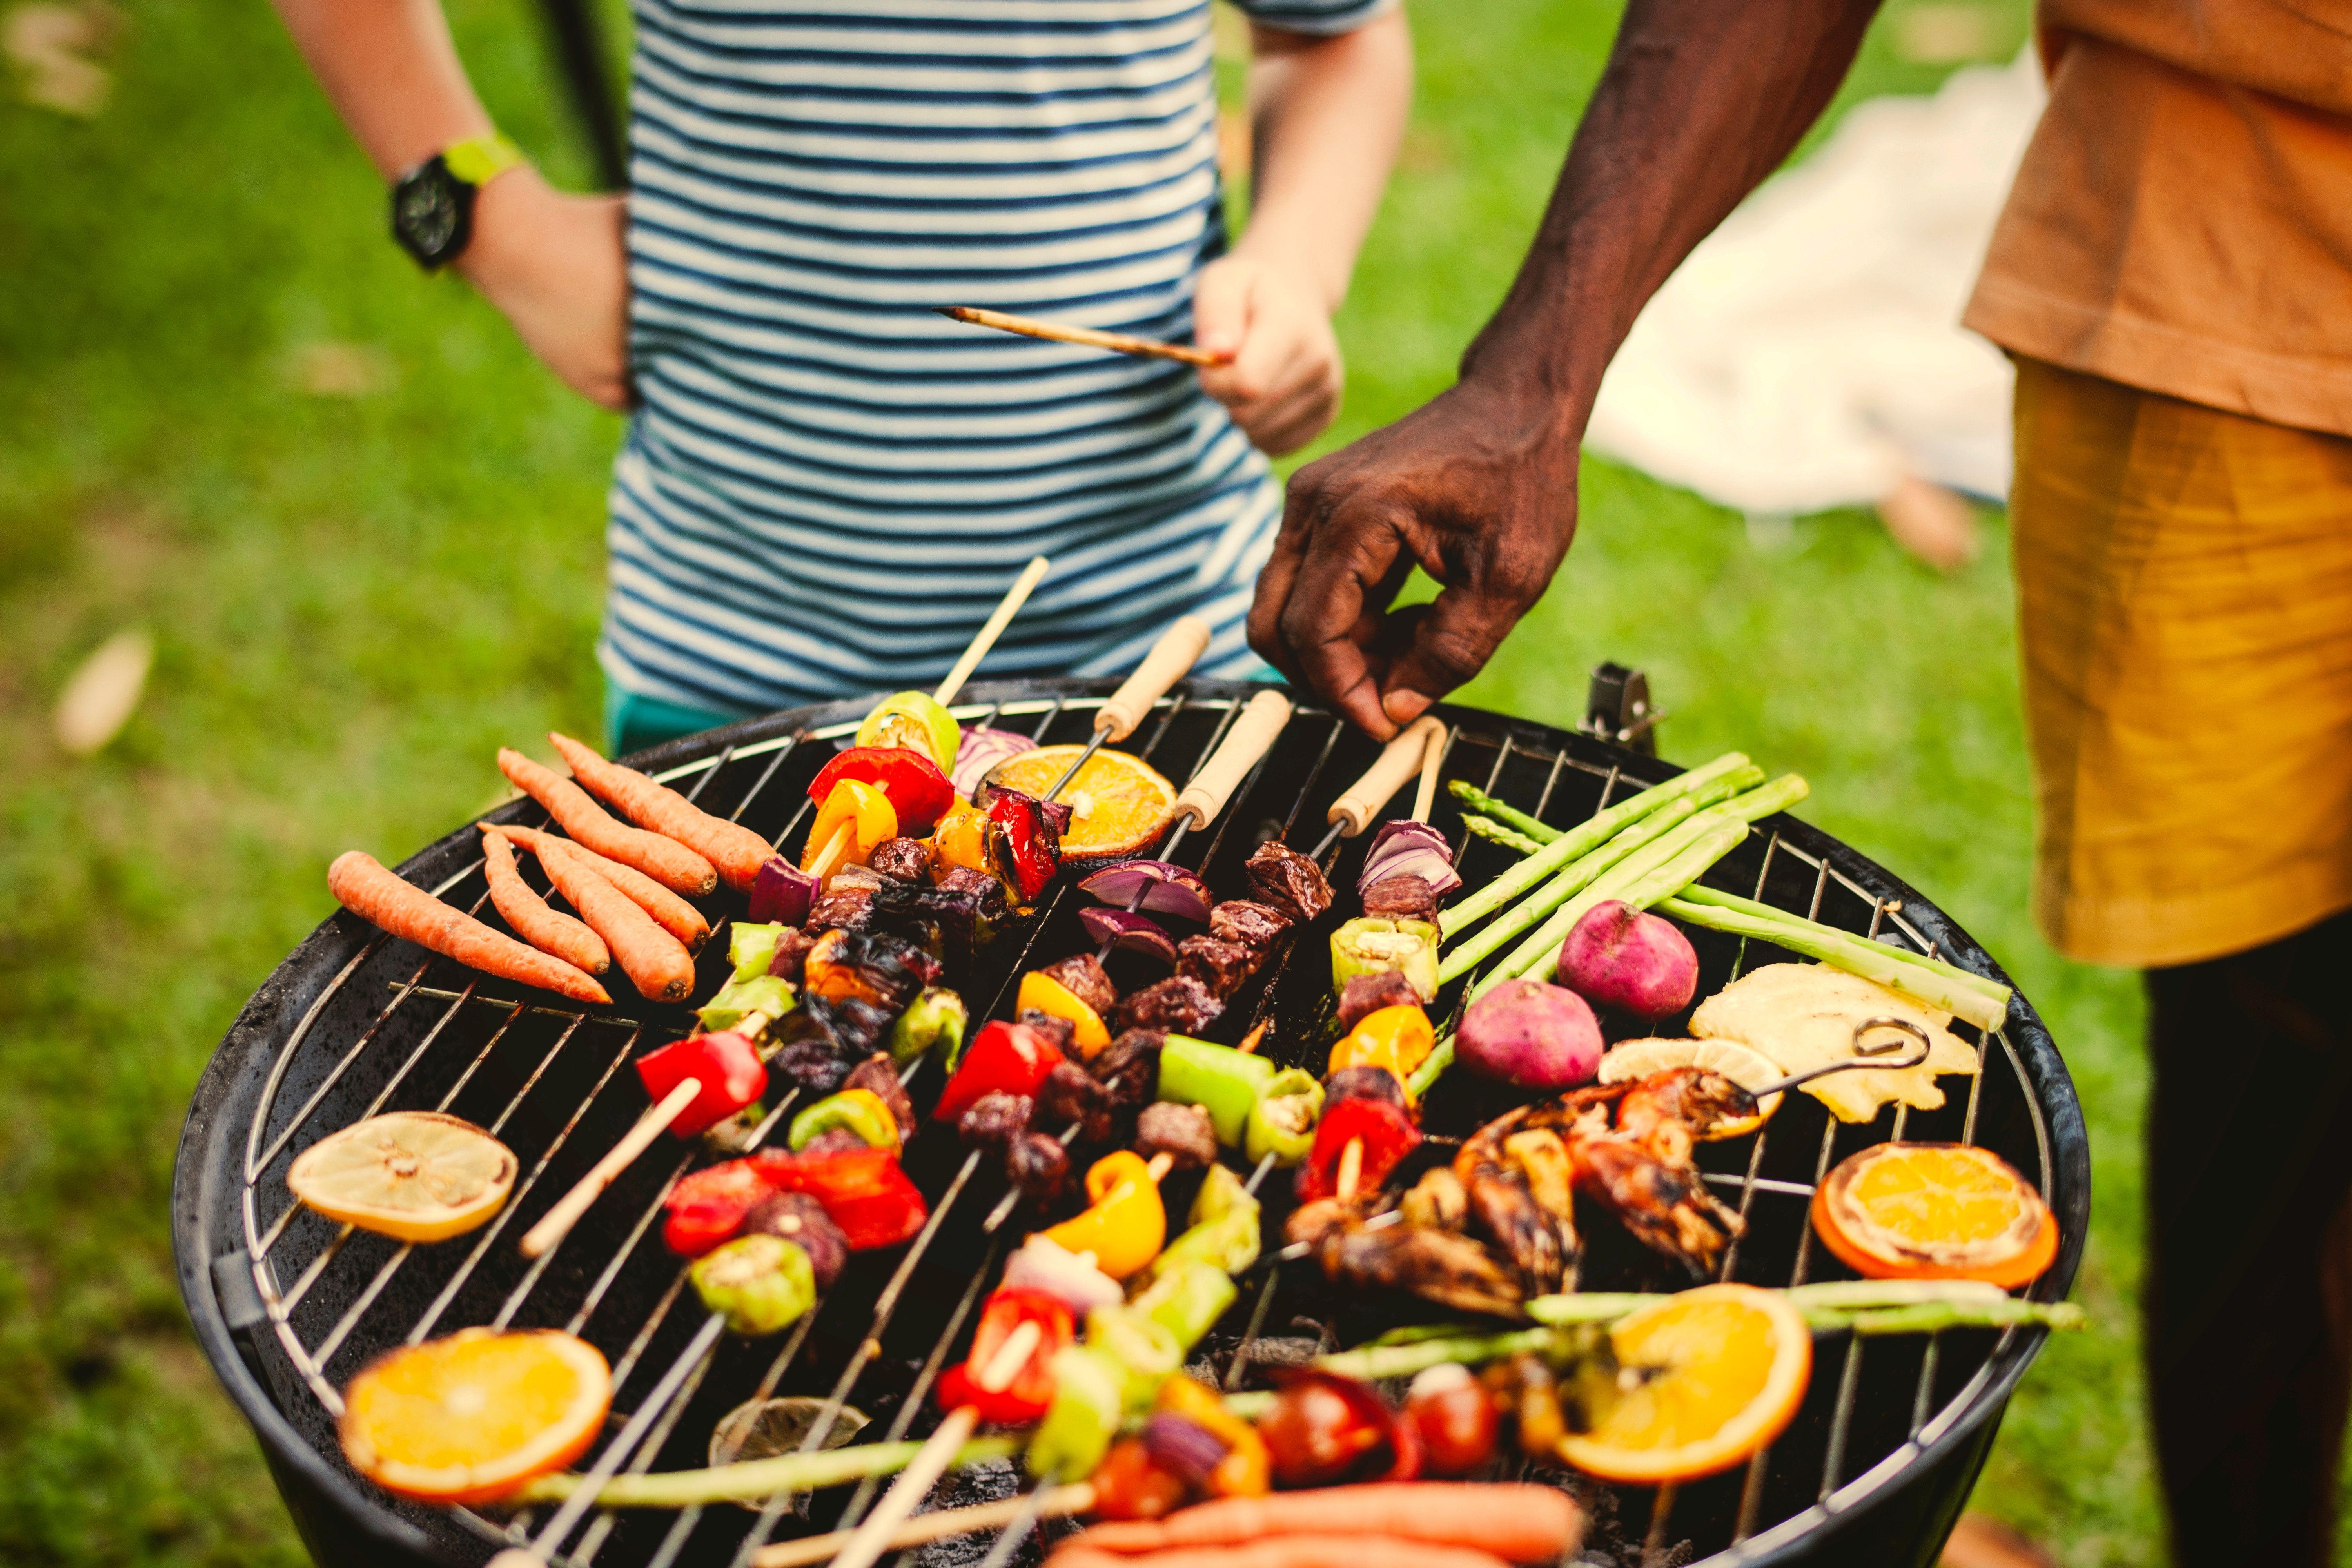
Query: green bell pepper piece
[
  {"x": 1370, "y": 945},
  {"x": 761, "y": 1284},
  {"x": 915, "y": 720},
  {"x": 1281, "y": 1123},
  {"x": 1223, "y": 1230},
  {"x": 861, "y": 1111},
  {"x": 1145, "y": 1352},
  {"x": 1219, "y": 1079},
  {"x": 935, "y": 1020},
  {"x": 769, "y": 994},
  {"x": 1188, "y": 1299},
  {"x": 1089, "y": 1399},
  {"x": 751, "y": 948}
]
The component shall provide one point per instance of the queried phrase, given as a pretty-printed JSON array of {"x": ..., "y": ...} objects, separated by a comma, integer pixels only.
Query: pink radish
[{"x": 1617, "y": 956}]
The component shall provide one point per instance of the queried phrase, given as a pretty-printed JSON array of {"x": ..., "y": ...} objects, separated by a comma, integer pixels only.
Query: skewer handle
[
  {"x": 553, "y": 1224},
  {"x": 926, "y": 1528},
  {"x": 1399, "y": 760},
  {"x": 1180, "y": 647},
  {"x": 1243, "y": 744},
  {"x": 1426, "y": 796},
  {"x": 1014, "y": 597}
]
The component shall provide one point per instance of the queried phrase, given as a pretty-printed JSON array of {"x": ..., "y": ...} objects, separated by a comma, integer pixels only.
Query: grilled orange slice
[
  {"x": 415, "y": 1175},
  {"x": 1118, "y": 803},
  {"x": 1705, "y": 1379},
  {"x": 468, "y": 1418},
  {"x": 1935, "y": 1211}
]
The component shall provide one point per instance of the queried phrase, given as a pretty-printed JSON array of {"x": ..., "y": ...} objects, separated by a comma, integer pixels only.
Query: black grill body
[{"x": 1874, "y": 1471}]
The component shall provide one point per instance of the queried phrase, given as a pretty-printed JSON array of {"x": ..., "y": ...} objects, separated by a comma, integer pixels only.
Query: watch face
[{"x": 429, "y": 213}]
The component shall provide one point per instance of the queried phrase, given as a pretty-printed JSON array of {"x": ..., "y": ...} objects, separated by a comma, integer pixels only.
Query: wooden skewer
[
  {"x": 553, "y": 1224},
  {"x": 1014, "y": 597},
  {"x": 1085, "y": 337},
  {"x": 1351, "y": 1169},
  {"x": 926, "y": 1528},
  {"x": 1426, "y": 797}
]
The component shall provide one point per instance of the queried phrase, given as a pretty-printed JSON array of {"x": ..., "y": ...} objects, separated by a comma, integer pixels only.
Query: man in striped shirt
[{"x": 825, "y": 486}]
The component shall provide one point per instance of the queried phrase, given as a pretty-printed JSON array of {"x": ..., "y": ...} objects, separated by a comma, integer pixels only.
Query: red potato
[
  {"x": 665, "y": 860},
  {"x": 669, "y": 911},
  {"x": 527, "y": 913},
  {"x": 1285, "y": 1552},
  {"x": 1527, "y": 1032},
  {"x": 735, "y": 850},
  {"x": 1621, "y": 957},
  {"x": 1506, "y": 1520},
  {"x": 656, "y": 963},
  {"x": 362, "y": 886}
]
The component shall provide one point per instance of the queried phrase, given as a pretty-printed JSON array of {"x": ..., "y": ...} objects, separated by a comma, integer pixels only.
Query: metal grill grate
[{"x": 548, "y": 1080}]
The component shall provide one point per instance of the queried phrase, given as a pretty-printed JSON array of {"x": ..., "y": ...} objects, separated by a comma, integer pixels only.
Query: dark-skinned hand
[{"x": 1477, "y": 489}]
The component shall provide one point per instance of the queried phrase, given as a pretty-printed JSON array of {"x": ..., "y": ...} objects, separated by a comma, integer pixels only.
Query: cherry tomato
[
  {"x": 1319, "y": 1426},
  {"x": 1131, "y": 1484},
  {"x": 1455, "y": 1418}
]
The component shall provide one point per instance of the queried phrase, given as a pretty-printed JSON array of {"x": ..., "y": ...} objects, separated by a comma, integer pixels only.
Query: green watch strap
[{"x": 478, "y": 160}]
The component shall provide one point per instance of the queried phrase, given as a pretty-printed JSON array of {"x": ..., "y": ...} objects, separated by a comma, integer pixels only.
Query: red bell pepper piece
[
  {"x": 1013, "y": 1058},
  {"x": 1385, "y": 1131},
  {"x": 708, "y": 1206},
  {"x": 729, "y": 1067},
  {"x": 864, "y": 1190},
  {"x": 1030, "y": 1394},
  {"x": 1025, "y": 842},
  {"x": 919, "y": 793}
]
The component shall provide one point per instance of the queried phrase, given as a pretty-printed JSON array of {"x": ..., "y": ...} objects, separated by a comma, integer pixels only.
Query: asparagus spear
[
  {"x": 1493, "y": 832},
  {"x": 1473, "y": 798},
  {"x": 752, "y": 1480},
  {"x": 1990, "y": 987},
  {"x": 1586, "y": 836},
  {"x": 1871, "y": 960}
]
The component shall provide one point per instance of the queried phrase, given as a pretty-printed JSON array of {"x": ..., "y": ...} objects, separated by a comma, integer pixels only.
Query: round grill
[{"x": 289, "y": 1305}]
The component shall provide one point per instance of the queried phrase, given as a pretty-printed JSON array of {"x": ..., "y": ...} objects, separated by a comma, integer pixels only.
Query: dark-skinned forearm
[{"x": 1700, "y": 101}]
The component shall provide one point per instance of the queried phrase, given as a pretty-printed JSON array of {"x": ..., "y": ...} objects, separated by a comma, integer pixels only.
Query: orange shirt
[{"x": 2182, "y": 220}]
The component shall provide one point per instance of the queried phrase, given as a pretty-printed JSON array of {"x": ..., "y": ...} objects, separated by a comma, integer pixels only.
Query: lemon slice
[
  {"x": 468, "y": 1418},
  {"x": 416, "y": 1175},
  {"x": 1118, "y": 803},
  {"x": 1743, "y": 1065},
  {"x": 1705, "y": 1379}
]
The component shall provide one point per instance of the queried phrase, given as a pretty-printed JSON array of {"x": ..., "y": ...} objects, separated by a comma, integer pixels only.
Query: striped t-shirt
[{"x": 827, "y": 487}]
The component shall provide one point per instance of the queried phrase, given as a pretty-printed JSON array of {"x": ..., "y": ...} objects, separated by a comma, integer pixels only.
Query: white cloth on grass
[{"x": 1809, "y": 353}]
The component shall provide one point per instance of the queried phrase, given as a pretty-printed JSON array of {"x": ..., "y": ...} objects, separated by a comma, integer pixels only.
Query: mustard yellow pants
[{"x": 2185, "y": 598}]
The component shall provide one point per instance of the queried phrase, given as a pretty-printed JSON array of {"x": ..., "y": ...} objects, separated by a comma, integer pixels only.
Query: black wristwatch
[{"x": 433, "y": 204}]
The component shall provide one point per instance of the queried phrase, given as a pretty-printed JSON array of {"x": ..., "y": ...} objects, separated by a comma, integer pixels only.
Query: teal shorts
[{"x": 631, "y": 722}]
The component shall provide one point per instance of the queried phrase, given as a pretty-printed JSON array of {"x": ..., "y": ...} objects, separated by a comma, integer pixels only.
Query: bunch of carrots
[{"x": 629, "y": 885}]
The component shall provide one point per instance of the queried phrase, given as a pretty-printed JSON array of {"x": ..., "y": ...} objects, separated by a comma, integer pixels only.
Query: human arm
[
  {"x": 1326, "y": 115},
  {"x": 1700, "y": 101},
  {"x": 556, "y": 264}
]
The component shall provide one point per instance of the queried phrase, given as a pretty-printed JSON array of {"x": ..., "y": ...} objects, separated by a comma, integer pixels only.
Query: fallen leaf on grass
[
  {"x": 103, "y": 691},
  {"x": 52, "y": 48}
]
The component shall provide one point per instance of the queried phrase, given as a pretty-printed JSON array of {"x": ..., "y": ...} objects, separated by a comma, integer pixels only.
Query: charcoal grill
[{"x": 1873, "y": 1470}]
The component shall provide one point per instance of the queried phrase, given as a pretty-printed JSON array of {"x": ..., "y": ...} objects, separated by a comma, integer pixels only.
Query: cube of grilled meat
[
  {"x": 820, "y": 1040},
  {"x": 1082, "y": 976},
  {"x": 878, "y": 1077},
  {"x": 1039, "y": 1166},
  {"x": 994, "y": 1120},
  {"x": 1289, "y": 880},
  {"x": 881, "y": 966},
  {"x": 1072, "y": 1094},
  {"x": 792, "y": 953},
  {"x": 1058, "y": 1030},
  {"x": 989, "y": 899},
  {"x": 1252, "y": 925},
  {"x": 902, "y": 860},
  {"x": 1180, "y": 1004},
  {"x": 1363, "y": 1083},
  {"x": 1183, "y": 1132},
  {"x": 1367, "y": 994},
  {"x": 1129, "y": 1070},
  {"x": 800, "y": 1219},
  {"x": 834, "y": 1141},
  {"x": 1221, "y": 967},
  {"x": 1400, "y": 898},
  {"x": 842, "y": 905}
]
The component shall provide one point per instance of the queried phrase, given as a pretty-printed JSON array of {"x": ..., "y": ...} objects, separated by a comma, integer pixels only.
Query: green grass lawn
[{"x": 357, "y": 598}]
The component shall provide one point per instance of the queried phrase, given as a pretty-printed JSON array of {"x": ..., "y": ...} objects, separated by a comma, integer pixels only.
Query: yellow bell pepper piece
[
  {"x": 1399, "y": 1038},
  {"x": 1126, "y": 1226},
  {"x": 864, "y": 810},
  {"x": 960, "y": 838},
  {"x": 1049, "y": 995}
]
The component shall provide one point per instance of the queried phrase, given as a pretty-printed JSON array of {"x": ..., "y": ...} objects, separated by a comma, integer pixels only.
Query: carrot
[
  {"x": 1284, "y": 1551},
  {"x": 364, "y": 887},
  {"x": 1524, "y": 1523},
  {"x": 665, "y": 860},
  {"x": 656, "y": 963},
  {"x": 528, "y": 914},
  {"x": 736, "y": 851},
  {"x": 670, "y": 913}
]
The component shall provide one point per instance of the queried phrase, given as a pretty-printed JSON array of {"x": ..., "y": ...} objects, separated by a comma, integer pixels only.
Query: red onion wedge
[
  {"x": 1167, "y": 888},
  {"x": 782, "y": 892},
  {"x": 1121, "y": 928},
  {"x": 980, "y": 751},
  {"x": 1403, "y": 847}
]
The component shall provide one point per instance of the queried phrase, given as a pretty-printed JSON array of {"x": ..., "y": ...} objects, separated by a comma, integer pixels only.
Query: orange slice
[
  {"x": 468, "y": 1418},
  {"x": 1751, "y": 1070},
  {"x": 416, "y": 1175},
  {"x": 1705, "y": 1379},
  {"x": 1047, "y": 994},
  {"x": 1118, "y": 803},
  {"x": 1935, "y": 1211}
]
